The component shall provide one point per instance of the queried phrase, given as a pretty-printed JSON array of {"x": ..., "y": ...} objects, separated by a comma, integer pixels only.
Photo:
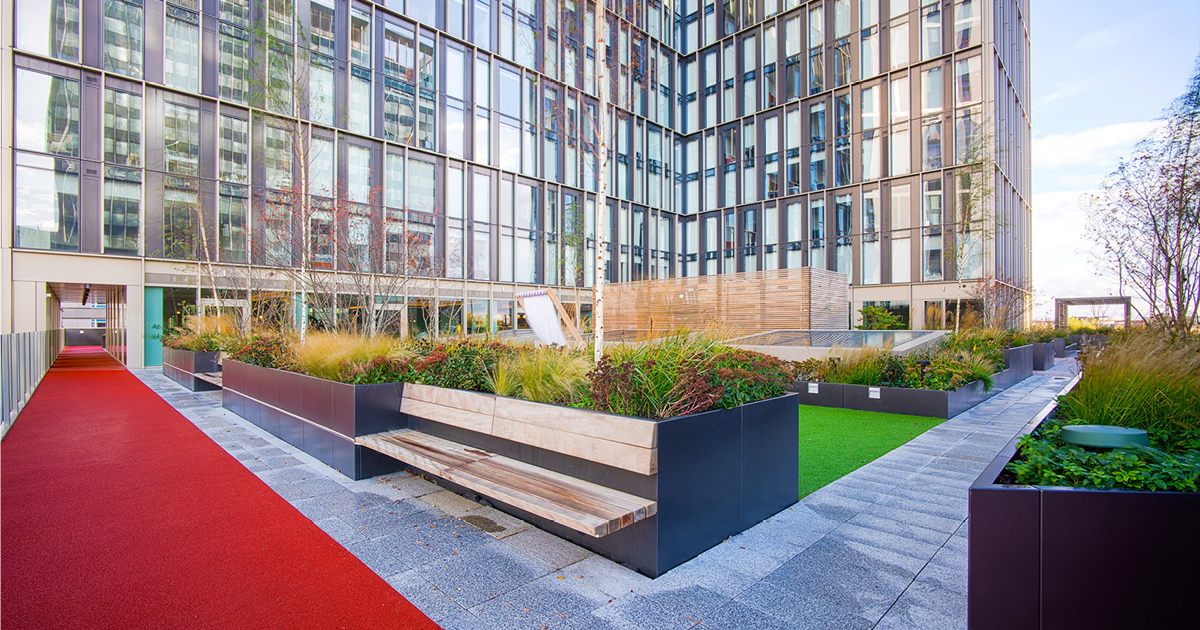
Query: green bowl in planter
[{"x": 1103, "y": 436}]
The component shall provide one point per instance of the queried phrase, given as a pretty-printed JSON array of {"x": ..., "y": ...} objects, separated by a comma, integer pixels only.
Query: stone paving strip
[{"x": 884, "y": 547}]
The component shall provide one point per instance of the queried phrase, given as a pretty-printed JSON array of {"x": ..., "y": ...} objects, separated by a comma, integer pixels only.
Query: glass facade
[{"x": 746, "y": 135}]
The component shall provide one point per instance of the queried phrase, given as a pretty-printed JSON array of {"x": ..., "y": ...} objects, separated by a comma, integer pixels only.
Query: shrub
[
  {"x": 333, "y": 356},
  {"x": 264, "y": 350},
  {"x": 1046, "y": 460},
  {"x": 1142, "y": 380},
  {"x": 203, "y": 333},
  {"x": 683, "y": 374},
  {"x": 547, "y": 374},
  {"x": 879, "y": 318}
]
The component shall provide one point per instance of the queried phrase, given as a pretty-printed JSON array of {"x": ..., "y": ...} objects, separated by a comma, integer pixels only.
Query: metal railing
[{"x": 24, "y": 359}]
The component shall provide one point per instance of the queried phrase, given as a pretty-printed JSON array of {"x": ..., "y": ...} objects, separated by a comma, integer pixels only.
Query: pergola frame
[{"x": 1061, "y": 305}]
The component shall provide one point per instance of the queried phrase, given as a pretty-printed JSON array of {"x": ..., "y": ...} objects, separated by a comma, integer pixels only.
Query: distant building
[{"x": 748, "y": 135}]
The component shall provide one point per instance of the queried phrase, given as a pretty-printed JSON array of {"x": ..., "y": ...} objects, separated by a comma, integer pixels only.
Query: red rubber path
[{"x": 117, "y": 512}]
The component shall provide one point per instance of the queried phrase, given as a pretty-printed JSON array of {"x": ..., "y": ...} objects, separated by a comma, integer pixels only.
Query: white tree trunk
[{"x": 601, "y": 148}]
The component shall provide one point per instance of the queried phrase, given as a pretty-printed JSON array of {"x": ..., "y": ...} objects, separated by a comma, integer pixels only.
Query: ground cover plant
[
  {"x": 680, "y": 374},
  {"x": 1142, "y": 380},
  {"x": 835, "y": 442}
]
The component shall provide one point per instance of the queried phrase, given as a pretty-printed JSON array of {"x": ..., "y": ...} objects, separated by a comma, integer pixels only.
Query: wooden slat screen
[{"x": 748, "y": 302}]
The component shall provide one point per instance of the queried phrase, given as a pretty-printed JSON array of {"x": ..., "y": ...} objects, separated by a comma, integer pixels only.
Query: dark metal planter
[
  {"x": 320, "y": 417},
  {"x": 930, "y": 403},
  {"x": 719, "y": 473},
  {"x": 1060, "y": 347},
  {"x": 1043, "y": 356},
  {"x": 1052, "y": 558},
  {"x": 182, "y": 366}
]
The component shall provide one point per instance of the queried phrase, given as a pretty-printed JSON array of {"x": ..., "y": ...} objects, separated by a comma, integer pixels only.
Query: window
[
  {"x": 398, "y": 52},
  {"x": 871, "y": 155},
  {"x": 426, "y": 133},
  {"x": 50, "y": 29},
  {"x": 899, "y": 101},
  {"x": 968, "y": 88},
  {"x": 361, "y": 113},
  {"x": 870, "y": 237},
  {"x": 869, "y": 105},
  {"x": 841, "y": 62},
  {"x": 899, "y": 46},
  {"x": 901, "y": 241},
  {"x": 231, "y": 223},
  {"x": 399, "y": 113},
  {"x": 931, "y": 218},
  {"x": 277, "y": 157},
  {"x": 321, "y": 27},
  {"x": 279, "y": 20},
  {"x": 868, "y": 13},
  {"x": 321, "y": 90},
  {"x": 181, "y": 139},
  {"x": 931, "y": 140},
  {"x": 816, "y": 222},
  {"x": 45, "y": 202},
  {"x": 122, "y": 128},
  {"x": 422, "y": 186},
  {"x": 968, "y": 136},
  {"x": 235, "y": 12},
  {"x": 843, "y": 256},
  {"x": 360, "y": 37},
  {"x": 483, "y": 24},
  {"x": 931, "y": 31},
  {"x": 233, "y": 64},
  {"x": 966, "y": 23},
  {"x": 122, "y": 216},
  {"x": 123, "y": 38},
  {"x": 181, "y": 215},
  {"x": 358, "y": 184},
  {"x": 47, "y": 113},
  {"x": 233, "y": 150},
  {"x": 394, "y": 181},
  {"x": 841, "y": 161},
  {"x": 931, "y": 91},
  {"x": 181, "y": 50},
  {"x": 901, "y": 161},
  {"x": 279, "y": 89},
  {"x": 869, "y": 54}
]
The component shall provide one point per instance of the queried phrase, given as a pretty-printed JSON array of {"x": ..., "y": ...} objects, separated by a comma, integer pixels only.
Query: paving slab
[{"x": 883, "y": 547}]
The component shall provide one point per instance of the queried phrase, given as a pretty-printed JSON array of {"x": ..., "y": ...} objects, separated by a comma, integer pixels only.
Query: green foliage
[
  {"x": 202, "y": 333},
  {"x": 942, "y": 370},
  {"x": 264, "y": 350},
  {"x": 879, "y": 318},
  {"x": 331, "y": 355},
  {"x": 1171, "y": 463},
  {"x": 1141, "y": 380},
  {"x": 547, "y": 374},
  {"x": 683, "y": 374}
]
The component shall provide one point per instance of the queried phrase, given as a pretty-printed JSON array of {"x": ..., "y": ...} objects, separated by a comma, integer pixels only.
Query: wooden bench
[
  {"x": 589, "y": 508},
  {"x": 581, "y": 505}
]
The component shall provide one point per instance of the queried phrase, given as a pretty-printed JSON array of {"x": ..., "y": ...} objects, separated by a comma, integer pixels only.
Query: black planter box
[
  {"x": 1060, "y": 347},
  {"x": 182, "y": 366},
  {"x": 1043, "y": 356},
  {"x": 1052, "y": 558},
  {"x": 318, "y": 416},
  {"x": 719, "y": 473}
]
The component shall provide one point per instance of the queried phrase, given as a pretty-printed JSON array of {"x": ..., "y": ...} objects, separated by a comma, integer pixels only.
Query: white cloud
[
  {"x": 1090, "y": 147},
  {"x": 1062, "y": 262}
]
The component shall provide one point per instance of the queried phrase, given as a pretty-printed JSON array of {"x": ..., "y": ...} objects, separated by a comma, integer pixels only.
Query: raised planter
[
  {"x": 1051, "y": 558},
  {"x": 1043, "y": 356},
  {"x": 1060, "y": 347},
  {"x": 182, "y": 366},
  {"x": 930, "y": 403},
  {"x": 713, "y": 474},
  {"x": 319, "y": 416}
]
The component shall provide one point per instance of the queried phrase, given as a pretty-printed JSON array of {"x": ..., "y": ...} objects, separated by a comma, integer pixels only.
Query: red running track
[{"x": 119, "y": 513}]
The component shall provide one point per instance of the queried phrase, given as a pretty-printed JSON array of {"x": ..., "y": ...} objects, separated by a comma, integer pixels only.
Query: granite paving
[{"x": 884, "y": 547}]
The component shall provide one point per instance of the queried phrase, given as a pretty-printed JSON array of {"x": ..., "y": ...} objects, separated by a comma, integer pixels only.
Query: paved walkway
[{"x": 884, "y": 547}]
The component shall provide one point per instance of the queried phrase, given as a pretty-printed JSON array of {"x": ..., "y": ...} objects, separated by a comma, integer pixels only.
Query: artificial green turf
[{"x": 834, "y": 442}]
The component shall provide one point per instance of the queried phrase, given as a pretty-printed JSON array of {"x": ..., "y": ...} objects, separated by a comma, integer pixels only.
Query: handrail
[{"x": 25, "y": 358}]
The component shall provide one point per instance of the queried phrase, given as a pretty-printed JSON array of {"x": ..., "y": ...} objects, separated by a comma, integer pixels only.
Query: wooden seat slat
[{"x": 581, "y": 505}]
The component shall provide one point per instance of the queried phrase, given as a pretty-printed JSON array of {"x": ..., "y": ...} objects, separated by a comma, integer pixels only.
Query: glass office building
[{"x": 455, "y": 141}]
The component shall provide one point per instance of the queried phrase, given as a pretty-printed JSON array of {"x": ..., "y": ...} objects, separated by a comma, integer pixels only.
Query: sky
[{"x": 1103, "y": 71}]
